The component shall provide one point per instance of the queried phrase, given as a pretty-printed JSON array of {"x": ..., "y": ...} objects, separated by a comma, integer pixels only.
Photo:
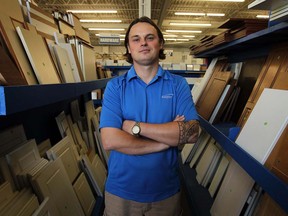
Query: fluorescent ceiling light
[
  {"x": 215, "y": 14},
  {"x": 119, "y": 35},
  {"x": 99, "y": 21},
  {"x": 188, "y": 36},
  {"x": 263, "y": 16},
  {"x": 92, "y": 11},
  {"x": 190, "y": 24},
  {"x": 170, "y": 35},
  {"x": 227, "y": 0},
  {"x": 185, "y": 31},
  {"x": 177, "y": 39},
  {"x": 189, "y": 14},
  {"x": 199, "y": 14},
  {"x": 105, "y": 29}
]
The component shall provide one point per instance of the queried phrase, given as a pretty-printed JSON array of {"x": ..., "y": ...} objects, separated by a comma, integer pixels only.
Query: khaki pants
[{"x": 116, "y": 206}]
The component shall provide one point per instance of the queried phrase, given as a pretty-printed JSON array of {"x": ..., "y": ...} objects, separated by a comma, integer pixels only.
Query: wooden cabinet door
[
  {"x": 54, "y": 182},
  {"x": 64, "y": 150},
  {"x": 274, "y": 74},
  {"x": 212, "y": 93}
]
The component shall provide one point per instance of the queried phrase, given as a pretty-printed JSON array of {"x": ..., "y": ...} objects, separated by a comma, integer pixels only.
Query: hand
[{"x": 179, "y": 118}]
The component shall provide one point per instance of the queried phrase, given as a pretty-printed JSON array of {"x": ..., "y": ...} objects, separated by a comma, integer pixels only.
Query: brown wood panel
[
  {"x": 267, "y": 207},
  {"x": 212, "y": 93},
  {"x": 15, "y": 48},
  {"x": 9, "y": 73},
  {"x": 274, "y": 74},
  {"x": 277, "y": 161}
]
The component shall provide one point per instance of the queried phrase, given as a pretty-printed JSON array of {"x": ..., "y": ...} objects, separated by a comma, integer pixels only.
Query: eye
[
  {"x": 135, "y": 39},
  {"x": 150, "y": 38}
]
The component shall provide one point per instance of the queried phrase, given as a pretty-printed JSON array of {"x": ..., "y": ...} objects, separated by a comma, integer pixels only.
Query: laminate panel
[
  {"x": 29, "y": 207},
  {"x": 64, "y": 64},
  {"x": 53, "y": 182},
  {"x": 215, "y": 183},
  {"x": 265, "y": 124},
  {"x": 16, "y": 50},
  {"x": 84, "y": 194},
  {"x": 76, "y": 69},
  {"x": 233, "y": 192},
  {"x": 205, "y": 161},
  {"x": 43, "y": 65}
]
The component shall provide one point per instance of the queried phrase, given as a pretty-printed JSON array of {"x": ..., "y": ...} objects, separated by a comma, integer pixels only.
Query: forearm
[
  {"x": 171, "y": 133},
  {"x": 119, "y": 140}
]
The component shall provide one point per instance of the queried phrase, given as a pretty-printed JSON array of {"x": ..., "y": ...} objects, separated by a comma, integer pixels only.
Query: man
[{"x": 146, "y": 114}]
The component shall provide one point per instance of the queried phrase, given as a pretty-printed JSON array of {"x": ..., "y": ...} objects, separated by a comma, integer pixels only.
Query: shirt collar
[{"x": 132, "y": 73}]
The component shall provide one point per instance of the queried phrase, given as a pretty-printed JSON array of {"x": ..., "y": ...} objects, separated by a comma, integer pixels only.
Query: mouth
[{"x": 144, "y": 50}]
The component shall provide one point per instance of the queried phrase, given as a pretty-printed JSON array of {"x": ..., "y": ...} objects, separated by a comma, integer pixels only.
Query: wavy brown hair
[{"x": 143, "y": 19}]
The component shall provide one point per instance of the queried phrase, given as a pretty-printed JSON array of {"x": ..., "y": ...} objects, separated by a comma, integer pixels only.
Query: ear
[{"x": 128, "y": 49}]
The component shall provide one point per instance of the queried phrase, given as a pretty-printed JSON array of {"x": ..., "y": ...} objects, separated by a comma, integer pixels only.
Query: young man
[{"x": 146, "y": 114}]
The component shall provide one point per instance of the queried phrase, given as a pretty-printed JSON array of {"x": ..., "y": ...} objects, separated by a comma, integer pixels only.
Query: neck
[{"x": 146, "y": 72}]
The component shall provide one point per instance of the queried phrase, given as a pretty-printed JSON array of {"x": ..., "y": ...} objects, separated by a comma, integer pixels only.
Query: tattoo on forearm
[{"x": 186, "y": 130}]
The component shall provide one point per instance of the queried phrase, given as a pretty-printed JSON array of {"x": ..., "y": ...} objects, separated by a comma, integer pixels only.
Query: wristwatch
[{"x": 136, "y": 129}]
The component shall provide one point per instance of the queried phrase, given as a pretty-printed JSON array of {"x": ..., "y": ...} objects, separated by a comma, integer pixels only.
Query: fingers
[{"x": 179, "y": 118}]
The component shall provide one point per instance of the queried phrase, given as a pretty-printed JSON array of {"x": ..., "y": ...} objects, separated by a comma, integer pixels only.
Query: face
[{"x": 144, "y": 45}]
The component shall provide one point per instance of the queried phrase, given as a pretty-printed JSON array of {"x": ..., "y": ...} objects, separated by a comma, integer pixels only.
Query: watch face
[{"x": 136, "y": 129}]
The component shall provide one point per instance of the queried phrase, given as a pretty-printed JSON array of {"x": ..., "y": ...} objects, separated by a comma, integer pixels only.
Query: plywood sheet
[
  {"x": 265, "y": 124},
  {"x": 12, "y": 8},
  {"x": 88, "y": 56},
  {"x": 16, "y": 50},
  {"x": 43, "y": 65}
]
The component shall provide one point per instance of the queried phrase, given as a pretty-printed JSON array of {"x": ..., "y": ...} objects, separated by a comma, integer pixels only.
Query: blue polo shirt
[{"x": 150, "y": 177}]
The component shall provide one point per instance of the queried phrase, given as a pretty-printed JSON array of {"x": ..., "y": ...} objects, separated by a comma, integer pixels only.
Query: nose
[{"x": 143, "y": 42}]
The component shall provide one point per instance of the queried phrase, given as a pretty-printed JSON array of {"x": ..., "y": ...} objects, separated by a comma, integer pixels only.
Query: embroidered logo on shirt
[{"x": 167, "y": 96}]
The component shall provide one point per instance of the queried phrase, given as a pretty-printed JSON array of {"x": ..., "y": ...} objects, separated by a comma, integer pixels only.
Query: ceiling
[{"x": 162, "y": 12}]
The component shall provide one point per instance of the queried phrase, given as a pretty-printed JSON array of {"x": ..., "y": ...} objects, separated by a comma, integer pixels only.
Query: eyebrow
[{"x": 150, "y": 34}]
